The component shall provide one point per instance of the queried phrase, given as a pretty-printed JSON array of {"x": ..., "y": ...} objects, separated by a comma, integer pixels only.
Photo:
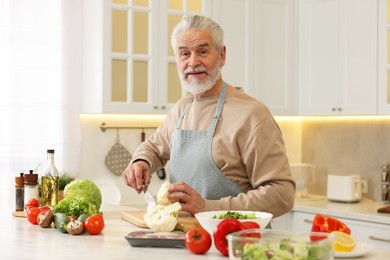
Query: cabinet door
[
  {"x": 129, "y": 66},
  {"x": 259, "y": 37},
  {"x": 338, "y": 57},
  {"x": 384, "y": 57},
  {"x": 274, "y": 60}
]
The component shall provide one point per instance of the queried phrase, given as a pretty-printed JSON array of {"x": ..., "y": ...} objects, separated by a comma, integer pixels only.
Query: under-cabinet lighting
[{"x": 123, "y": 116}]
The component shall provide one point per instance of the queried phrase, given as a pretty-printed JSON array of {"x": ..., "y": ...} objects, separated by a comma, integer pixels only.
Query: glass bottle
[
  {"x": 50, "y": 181},
  {"x": 19, "y": 193},
  {"x": 30, "y": 186}
]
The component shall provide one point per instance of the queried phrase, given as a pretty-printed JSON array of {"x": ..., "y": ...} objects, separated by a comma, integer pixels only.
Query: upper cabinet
[
  {"x": 129, "y": 65},
  {"x": 338, "y": 57},
  {"x": 299, "y": 57},
  {"x": 384, "y": 57},
  {"x": 260, "y": 39}
]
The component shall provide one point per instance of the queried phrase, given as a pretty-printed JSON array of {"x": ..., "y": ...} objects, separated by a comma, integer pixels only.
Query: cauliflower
[
  {"x": 162, "y": 217},
  {"x": 162, "y": 194}
]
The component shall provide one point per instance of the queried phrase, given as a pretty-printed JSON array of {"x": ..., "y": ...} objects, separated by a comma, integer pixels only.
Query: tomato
[
  {"x": 226, "y": 226},
  {"x": 33, "y": 203},
  {"x": 94, "y": 224},
  {"x": 32, "y": 214},
  {"x": 198, "y": 241}
]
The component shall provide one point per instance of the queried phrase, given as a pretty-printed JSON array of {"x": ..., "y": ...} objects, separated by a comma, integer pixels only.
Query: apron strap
[
  {"x": 183, "y": 113},
  {"x": 218, "y": 111}
]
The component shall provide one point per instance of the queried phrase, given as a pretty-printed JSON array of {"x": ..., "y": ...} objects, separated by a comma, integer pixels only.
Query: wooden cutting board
[
  {"x": 19, "y": 214},
  {"x": 185, "y": 221}
]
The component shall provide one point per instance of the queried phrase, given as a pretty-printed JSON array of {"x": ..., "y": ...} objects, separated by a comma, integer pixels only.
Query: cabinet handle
[
  {"x": 333, "y": 109},
  {"x": 308, "y": 220},
  {"x": 379, "y": 239},
  {"x": 155, "y": 107},
  {"x": 163, "y": 107},
  {"x": 339, "y": 109}
]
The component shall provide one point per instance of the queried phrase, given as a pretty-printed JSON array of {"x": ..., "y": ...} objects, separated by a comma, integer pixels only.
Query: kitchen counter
[
  {"x": 365, "y": 209},
  {"x": 21, "y": 240}
]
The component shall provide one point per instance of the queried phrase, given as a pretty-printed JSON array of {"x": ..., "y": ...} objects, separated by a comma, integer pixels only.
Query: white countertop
[
  {"x": 21, "y": 240},
  {"x": 365, "y": 209}
]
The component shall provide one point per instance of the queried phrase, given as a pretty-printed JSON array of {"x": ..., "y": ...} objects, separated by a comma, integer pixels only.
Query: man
[{"x": 225, "y": 149}]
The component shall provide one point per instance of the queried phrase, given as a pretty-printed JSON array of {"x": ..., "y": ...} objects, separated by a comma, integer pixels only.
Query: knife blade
[{"x": 148, "y": 196}]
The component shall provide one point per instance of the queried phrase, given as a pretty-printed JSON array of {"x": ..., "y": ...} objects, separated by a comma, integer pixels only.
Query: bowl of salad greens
[
  {"x": 210, "y": 219},
  {"x": 278, "y": 244}
]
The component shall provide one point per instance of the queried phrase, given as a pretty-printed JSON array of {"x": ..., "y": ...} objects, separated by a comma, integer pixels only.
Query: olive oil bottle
[{"x": 50, "y": 181}]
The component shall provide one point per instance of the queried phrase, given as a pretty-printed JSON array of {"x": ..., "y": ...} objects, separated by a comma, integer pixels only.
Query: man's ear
[{"x": 223, "y": 55}]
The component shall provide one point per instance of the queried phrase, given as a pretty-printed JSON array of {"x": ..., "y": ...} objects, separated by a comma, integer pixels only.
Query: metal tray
[{"x": 156, "y": 239}]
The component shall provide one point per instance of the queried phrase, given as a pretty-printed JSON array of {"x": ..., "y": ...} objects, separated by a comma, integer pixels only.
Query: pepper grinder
[{"x": 19, "y": 193}]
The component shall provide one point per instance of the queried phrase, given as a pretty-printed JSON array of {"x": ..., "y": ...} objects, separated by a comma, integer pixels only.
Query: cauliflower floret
[
  {"x": 162, "y": 218},
  {"x": 162, "y": 194}
]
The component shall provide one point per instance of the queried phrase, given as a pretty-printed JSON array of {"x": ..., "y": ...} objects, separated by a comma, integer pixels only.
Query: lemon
[{"x": 343, "y": 242}]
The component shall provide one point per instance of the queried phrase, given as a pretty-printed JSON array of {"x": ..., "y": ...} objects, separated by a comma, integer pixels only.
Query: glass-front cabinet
[
  {"x": 140, "y": 74},
  {"x": 384, "y": 57}
]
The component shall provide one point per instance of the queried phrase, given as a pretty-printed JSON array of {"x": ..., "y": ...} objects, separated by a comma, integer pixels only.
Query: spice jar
[
  {"x": 19, "y": 193},
  {"x": 30, "y": 186}
]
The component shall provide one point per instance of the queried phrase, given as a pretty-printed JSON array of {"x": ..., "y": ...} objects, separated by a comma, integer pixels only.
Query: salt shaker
[{"x": 30, "y": 186}]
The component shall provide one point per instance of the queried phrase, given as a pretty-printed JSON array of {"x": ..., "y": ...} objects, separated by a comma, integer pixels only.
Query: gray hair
[{"x": 198, "y": 22}]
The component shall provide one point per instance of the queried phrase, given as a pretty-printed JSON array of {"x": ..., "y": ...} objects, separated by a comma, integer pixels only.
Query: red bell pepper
[
  {"x": 226, "y": 226},
  {"x": 327, "y": 224}
]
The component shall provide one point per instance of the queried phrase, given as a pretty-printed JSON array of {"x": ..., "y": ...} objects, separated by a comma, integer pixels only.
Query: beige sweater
[{"x": 247, "y": 147}]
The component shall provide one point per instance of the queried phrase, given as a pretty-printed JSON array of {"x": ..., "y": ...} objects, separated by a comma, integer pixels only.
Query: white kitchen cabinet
[
  {"x": 366, "y": 232},
  {"x": 282, "y": 222},
  {"x": 260, "y": 38},
  {"x": 383, "y": 57},
  {"x": 129, "y": 66},
  {"x": 338, "y": 57}
]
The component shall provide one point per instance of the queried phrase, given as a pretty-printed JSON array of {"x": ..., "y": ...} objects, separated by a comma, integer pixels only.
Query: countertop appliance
[{"x": 344, "y": 188}]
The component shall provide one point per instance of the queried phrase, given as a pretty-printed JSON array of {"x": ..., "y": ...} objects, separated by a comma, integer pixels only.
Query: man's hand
[
  {"x": 189, "y": 198},
  {"x": 137, "y": 174}
]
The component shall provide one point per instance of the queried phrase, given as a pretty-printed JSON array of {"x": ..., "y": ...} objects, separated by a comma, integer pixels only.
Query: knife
[{"x": 148, "y": 196}]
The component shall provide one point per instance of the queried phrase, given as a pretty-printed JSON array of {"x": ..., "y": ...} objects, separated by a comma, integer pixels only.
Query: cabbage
[{"x": 84, "y": 188}]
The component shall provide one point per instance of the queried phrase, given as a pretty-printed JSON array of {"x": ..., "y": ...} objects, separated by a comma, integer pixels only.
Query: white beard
[{"x": 194, "y": 86}]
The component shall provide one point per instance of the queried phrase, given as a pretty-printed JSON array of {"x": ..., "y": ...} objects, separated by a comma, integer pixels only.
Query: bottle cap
[
  {"x": 19, "y": 181},
  {"x": 50, "y": 150}
]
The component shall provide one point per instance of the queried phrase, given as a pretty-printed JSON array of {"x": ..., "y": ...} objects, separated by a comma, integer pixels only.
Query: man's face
[{"x": 198, "y": 61}]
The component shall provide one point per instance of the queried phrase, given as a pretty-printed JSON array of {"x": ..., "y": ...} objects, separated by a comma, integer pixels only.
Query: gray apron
[{"x": 192, "y": 162}]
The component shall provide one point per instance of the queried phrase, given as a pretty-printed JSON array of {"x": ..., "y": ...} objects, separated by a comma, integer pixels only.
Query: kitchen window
[{"x": 40, "y": 50}]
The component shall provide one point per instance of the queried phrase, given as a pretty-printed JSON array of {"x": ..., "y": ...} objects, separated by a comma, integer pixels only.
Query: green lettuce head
[{"x": 84, "y": 188}]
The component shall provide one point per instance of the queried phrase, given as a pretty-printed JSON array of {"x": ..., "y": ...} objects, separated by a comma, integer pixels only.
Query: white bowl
[{"x": 206, "y": 220}]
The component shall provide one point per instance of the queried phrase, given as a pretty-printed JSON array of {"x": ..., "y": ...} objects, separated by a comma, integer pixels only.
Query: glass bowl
[{"x": 277, "y": 244}]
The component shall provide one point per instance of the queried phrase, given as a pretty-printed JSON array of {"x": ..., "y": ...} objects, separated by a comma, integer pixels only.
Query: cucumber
[
  {"x": 61, "y": 221},
  {"x": 83, "y": 217}
]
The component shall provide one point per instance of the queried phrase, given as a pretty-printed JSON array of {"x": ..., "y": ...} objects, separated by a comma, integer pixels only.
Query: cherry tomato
[
  {"x": 226, "y": 226},
  {"x": 198, "y": 241},
  {"x": 33, "y": 203},
  {"x": 32, "y": 214},
  {"x": 94, "y": 224}
]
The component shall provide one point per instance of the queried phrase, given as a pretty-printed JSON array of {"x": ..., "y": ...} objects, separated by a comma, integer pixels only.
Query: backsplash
[{"x": 346, "y": 146}]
